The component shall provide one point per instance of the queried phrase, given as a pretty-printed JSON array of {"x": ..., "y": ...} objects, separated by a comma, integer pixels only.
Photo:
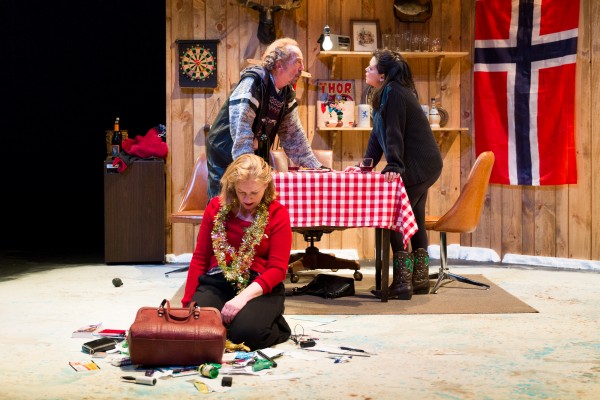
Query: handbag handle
[{"x": 194, "y": 311}]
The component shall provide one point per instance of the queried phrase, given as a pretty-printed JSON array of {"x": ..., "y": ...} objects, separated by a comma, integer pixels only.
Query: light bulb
[{"x": 327, "y": 43}]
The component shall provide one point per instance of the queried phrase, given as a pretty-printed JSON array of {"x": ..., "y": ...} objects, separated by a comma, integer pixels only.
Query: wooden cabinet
[{"x": 134, "y": 213}]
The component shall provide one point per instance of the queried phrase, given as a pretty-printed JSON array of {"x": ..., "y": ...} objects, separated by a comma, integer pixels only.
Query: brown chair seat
[
  {"x": 194, "y": 201},
  {"x": 195, "y": 196},
  {"x": 187, "y": 217}
]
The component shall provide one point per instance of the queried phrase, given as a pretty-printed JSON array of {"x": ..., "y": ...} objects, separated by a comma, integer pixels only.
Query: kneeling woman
[{"x": 241, "y": 256}]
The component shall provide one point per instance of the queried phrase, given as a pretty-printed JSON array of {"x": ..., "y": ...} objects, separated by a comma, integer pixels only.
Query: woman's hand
[
  {"x": 231, "y": 308},
  {"x": 352, "y": 169},
  {"x": 390, "y": 176}
]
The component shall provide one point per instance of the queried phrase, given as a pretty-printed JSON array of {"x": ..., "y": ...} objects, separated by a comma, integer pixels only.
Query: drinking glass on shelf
[
  {"x": 416, "y": 42},
  {"x": 366, "y": 165},
  {"x": 387, "y": 40},
  {"x": 424, "y": 42},
  {"x": 436, "y": 44},
  {"x": 406, "y": 40},
  {"x": 397, "y": 42}
]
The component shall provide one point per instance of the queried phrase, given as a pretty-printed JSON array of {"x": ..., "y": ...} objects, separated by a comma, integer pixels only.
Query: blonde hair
[
  {"x": 279, "y": 50},
  {"x": 244, "y": 168}
]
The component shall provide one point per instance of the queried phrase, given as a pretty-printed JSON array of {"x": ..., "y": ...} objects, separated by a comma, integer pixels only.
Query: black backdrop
[{"x": 68, "y": 69}]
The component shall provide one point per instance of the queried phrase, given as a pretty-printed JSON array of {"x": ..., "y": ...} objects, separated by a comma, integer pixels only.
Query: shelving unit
[
  {"x": 444, "y": 129},
  {"x": 438, "y": 57},
  {"x": 406, "y": 54}
]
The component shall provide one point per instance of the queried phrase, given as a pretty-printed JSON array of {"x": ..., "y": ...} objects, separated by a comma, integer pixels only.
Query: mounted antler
[{"x": 266, "y": 24}]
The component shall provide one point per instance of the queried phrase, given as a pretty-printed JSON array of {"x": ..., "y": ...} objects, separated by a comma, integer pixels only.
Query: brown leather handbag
[{"x": 176, "y": 336}]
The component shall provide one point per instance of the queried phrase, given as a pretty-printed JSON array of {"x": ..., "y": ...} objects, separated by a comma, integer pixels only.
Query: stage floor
[{"x": 553, "y": 354}]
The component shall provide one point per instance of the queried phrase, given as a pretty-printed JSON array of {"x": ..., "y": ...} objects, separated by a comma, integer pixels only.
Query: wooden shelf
[
  {"x": 405, "y": 54},
  {"x": 438, "y": 56},
  {"x": 450, "y": 129},
  {"x": 444, "y": 129},
  {"x": 333, "y": 128}
]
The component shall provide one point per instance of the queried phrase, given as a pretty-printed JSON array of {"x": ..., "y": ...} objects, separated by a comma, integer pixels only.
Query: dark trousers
[
  {"x": 417, "y": 195},
  {"x": 260, "y": 324}
]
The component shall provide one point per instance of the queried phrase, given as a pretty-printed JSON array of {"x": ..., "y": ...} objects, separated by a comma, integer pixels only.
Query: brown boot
[
  {"x": 420, "y": 278},
  {"x": 401, "y": 286}
]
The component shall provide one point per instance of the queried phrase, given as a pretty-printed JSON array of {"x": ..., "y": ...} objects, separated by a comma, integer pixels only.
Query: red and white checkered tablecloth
[{"x": 345, "y": 199}]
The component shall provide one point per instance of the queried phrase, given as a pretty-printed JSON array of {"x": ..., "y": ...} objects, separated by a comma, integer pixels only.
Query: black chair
[{"x": 312, "y": 258}]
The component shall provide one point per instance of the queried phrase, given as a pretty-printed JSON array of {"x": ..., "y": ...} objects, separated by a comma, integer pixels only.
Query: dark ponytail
[{"x": 395, "y": 68}]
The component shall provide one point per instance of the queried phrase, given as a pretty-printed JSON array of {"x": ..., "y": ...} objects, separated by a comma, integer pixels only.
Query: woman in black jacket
[{"x": 402, "y": 134}]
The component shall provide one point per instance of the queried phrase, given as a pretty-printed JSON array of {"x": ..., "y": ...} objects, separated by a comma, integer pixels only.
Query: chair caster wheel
[
  {"x": 358, "y": 276},
  {"x": 294, "y": 278}
]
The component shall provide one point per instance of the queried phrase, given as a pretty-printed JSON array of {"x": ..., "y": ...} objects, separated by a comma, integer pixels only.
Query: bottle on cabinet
[
  {"x": 117, "y": 139},
  {"x": 434, "y": 115}
]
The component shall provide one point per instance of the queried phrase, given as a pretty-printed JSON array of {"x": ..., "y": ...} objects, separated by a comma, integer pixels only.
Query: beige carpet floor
[{"x": 452, "y": 298}]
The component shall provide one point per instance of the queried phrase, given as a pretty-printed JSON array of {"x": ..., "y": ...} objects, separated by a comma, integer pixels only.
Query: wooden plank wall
[{"x": 556, "y": 221}]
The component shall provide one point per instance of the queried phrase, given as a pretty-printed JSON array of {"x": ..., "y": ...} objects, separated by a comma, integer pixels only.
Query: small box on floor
[{"x": 102, "y": 344}]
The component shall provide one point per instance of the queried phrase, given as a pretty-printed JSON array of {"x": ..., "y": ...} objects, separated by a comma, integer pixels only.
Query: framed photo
[{"x": 365, "y": 35}]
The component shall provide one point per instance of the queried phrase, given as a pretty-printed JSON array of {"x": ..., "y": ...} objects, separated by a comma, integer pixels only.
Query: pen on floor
[
  {"x": 185, "y": 369},
  {"x": 352, "y": 349},
  {"x": 141, "y": 380},
  {"x": 266, "y": 357}
]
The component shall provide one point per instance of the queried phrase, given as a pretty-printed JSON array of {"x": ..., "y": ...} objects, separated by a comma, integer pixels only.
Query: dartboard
[{"x": 198, "y": 63}]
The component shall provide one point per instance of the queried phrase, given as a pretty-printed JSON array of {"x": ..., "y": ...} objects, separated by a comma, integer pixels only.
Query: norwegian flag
[{"x": 524, "y": 80}]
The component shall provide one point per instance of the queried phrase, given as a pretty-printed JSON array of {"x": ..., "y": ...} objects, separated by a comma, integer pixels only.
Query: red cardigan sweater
[{"x": 270, "y": 259}]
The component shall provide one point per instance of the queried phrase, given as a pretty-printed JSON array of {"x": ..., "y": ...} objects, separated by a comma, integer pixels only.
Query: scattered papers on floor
[
  {"x": 86, "y": 331},
  {"x": 81, "y": 366}
]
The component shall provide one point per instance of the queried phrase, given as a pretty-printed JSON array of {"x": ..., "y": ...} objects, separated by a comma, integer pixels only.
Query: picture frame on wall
[
  {"x": 365, "y": 34},
  {"x": 336, "y": 103}
]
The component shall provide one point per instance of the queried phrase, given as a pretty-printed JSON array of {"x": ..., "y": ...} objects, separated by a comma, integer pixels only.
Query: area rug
[{"x": 452, "y": 298}]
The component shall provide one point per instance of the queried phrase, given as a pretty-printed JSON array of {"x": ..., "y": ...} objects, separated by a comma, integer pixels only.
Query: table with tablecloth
[{"x": 349, "y": 200}]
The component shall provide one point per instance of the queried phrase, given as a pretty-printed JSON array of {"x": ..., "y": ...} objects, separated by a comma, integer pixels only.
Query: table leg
[
  {"x": 385, "y": 265},
  {"x": 378, "y": 258},
  {"x": 382, "y": 262}
]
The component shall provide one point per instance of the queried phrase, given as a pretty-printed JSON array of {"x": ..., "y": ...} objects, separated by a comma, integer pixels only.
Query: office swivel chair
[
  {"x": 312, "y": 257},
  {"x": 463, "y": 216}
]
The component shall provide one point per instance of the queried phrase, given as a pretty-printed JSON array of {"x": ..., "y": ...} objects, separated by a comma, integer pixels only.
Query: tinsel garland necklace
[{"x": 236, "y": 264}]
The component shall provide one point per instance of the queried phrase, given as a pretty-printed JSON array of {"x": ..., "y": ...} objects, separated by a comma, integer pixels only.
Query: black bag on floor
[{"x": 326, "y": 286}]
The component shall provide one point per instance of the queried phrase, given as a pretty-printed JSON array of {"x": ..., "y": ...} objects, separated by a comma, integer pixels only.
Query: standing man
[{"x": 261, "y": 106}]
